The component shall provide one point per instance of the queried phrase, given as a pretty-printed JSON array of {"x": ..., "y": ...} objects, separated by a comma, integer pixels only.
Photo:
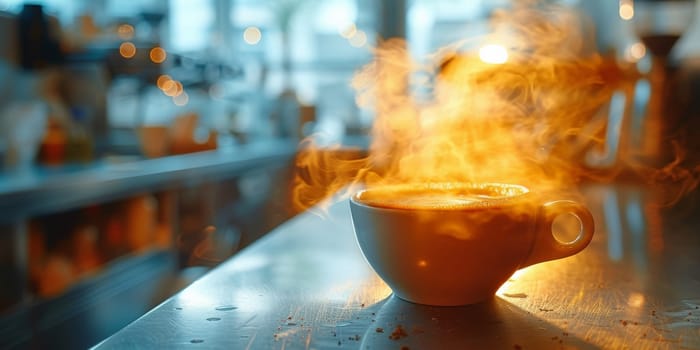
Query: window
[{"x": 191, "y": 25}]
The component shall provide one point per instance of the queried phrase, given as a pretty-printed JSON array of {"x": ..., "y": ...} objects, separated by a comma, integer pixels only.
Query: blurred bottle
[
  {"x": 39, "y": 44},
  {"x": 54, "y": 144},
  {"x": 53, "y": 147}
]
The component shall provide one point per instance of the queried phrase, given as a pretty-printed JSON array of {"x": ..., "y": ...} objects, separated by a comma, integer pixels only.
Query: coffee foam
[{"x": 442, "y": 197}]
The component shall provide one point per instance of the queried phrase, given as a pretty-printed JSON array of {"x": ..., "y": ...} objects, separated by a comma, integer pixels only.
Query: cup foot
[{"x": 446, "y": 302}]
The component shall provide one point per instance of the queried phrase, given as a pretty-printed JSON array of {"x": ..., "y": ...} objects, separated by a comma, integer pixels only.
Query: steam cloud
[{"x": 521, "y": 120}]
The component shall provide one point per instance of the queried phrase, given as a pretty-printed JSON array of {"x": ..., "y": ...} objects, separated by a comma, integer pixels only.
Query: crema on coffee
[{"x": 439, "y": 196}]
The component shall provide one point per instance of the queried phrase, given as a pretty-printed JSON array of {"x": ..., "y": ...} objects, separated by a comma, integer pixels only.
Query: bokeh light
[
  {"x": 347, "y": 31},
  {"x": 127, "y": 49},
  {"x": 637, "y": 51},
  {"x": 158, "y": 55},
  {"x": 493, "y": 54},
  {"x": 125, "y": 31},
  {"x": 252, "y": 35},
  {"x": 359, "y": 39},
  {"x": 636, "y": 300},
  {"x": 172, "y": 88},
  {"x": 162, "y": 79},
  {"x": 626, "y": 10},
  {"x": 181, "y": 99}
]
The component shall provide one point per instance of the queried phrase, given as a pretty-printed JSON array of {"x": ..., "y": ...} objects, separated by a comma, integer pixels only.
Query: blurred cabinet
[{"x": 92, "y": 249}]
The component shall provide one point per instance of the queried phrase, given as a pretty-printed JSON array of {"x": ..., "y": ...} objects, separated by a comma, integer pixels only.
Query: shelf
[
  {"x": 115, "y": 289},
  {"x": 44, "y": 190}
]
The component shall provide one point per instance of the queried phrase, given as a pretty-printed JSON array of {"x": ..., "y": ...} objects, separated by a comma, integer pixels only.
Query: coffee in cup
[{"x": 457, "y": 243}]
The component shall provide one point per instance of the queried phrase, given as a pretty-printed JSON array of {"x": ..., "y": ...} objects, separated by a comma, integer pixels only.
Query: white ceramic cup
[{"x": 438, "y": 249}]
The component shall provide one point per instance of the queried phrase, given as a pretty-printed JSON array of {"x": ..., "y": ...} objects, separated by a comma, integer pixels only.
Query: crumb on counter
[{"x": 398, "y": 333}]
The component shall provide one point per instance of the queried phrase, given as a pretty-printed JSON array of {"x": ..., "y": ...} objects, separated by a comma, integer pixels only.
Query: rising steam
[{"x": 516, "y": 118}]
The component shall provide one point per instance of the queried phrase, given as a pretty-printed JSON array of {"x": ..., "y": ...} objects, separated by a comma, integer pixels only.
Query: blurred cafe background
[{"x": 143, "y": 142}]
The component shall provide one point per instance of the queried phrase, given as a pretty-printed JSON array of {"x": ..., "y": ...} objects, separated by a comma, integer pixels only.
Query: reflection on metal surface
[
  {"x": 686, "y": 316},
  {"x": 635, "y": 217},
  {"x": 505, "y": 287},
  {"x": 613, "y": 225},
  {"x": 370, "y": 291},
  {"x": 636, "y": 300},
  {"x": 686, "y": 321},
  {"x": 193, "y": 297},
  {"x": 654, "y": 227},
  {"x": 628, "y": 215},
  {"x": 489, "y": 325}
]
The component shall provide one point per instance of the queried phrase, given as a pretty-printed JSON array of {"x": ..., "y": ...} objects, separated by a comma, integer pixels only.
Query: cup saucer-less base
[{"x": 460, "y": 255}]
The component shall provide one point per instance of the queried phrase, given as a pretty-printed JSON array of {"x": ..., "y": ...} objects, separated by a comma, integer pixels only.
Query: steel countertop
[{"x": 306, "y": 286}]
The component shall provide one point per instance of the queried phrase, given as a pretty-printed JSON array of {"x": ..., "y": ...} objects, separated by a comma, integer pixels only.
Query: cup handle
[{"x": 545, "y": 246}]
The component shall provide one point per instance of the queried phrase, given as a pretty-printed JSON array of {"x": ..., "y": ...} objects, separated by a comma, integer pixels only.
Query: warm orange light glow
[
  {"x": 359, "y": 39},
  {"x": 517, "y": 274},
  {"x": 636, "y": 300},
  {"x": 167, "y": 85},
  {"x": 496, "y": 115},
  {"x": 127, "y": 49},
  {"x": 179, "y": 89},
  {"x": 158, "y": 55},
  {"x": 125, "y": 31},
  {"x": 252, "y": 35},
  {"x": 172, "y": 88},
  {"x": 626, "y": 9},
  {"x": 514, "y": 278},
  {"x": 162, "y": 80},
  {"x": 494, "y": 54}
]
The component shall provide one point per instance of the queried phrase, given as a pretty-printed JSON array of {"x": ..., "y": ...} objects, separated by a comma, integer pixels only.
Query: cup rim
[{"x": 523, "y": 193}]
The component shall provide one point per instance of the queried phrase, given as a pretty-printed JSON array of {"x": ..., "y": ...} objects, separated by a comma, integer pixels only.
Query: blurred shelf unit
[{"x": 77, "y": 240}]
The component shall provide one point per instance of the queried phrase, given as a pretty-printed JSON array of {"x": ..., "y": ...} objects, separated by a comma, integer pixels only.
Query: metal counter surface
[{"x": 307, "y": 286}]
